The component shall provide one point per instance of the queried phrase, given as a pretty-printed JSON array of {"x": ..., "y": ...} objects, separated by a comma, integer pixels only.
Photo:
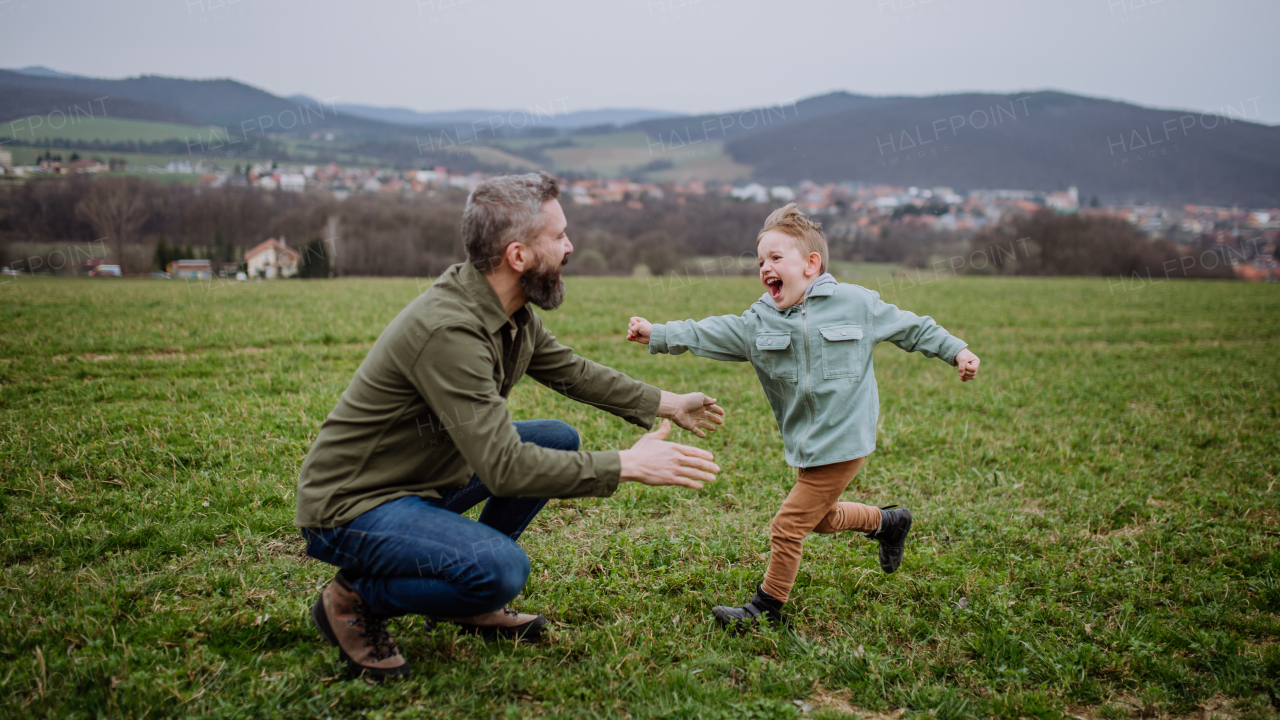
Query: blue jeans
[{"x": 420, "y": 556}]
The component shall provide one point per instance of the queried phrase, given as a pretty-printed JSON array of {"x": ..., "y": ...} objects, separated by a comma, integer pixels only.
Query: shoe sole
[{"x": 321, "y": 620}]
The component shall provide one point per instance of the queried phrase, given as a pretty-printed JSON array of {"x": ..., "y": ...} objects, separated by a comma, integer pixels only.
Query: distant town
[{"x": 854, "y": 209}]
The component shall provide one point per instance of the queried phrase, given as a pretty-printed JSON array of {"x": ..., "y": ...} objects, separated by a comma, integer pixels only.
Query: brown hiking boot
[
  {"x": 504, "y": 624},
  {"x": 359, "y": 634}
]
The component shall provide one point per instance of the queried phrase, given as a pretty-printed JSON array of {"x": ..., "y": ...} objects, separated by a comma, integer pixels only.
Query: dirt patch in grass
[
  {"x": 1127, "y": 706},
  {"x": 841, "y": 701}
]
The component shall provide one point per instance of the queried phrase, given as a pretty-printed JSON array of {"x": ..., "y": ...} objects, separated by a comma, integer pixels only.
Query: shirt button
[
  {"x": 770, "y": 341},
  {"x": 843, "y": 332}
]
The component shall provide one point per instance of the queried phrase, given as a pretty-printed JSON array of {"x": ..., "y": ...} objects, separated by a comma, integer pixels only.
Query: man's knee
[
  {"x": 514, "y": 574},
  {"x": 504, "y": 571},
  {"x": 559, "y": 435}
]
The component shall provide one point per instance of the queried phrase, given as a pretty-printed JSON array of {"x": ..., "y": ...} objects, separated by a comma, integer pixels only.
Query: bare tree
[{"x": 116, "y": 208}]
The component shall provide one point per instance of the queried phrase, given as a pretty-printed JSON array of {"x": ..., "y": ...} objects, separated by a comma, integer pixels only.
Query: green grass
[
  {"x": 1096, "y": 517},
  {"x": 621, "y": 154},
  {"x": 107, "y": 129},
  {"x": 26, "y": 155}
]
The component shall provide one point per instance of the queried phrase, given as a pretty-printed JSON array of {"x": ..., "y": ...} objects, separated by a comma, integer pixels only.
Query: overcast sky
[{"x": 677, "y": 55}]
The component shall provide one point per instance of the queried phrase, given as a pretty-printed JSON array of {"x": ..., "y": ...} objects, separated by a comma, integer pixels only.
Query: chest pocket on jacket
[
  {"x": 841, "y": 351},
  {"x": 777, "y": 358}
]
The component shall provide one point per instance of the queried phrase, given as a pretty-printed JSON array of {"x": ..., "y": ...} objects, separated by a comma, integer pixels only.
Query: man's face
[{"x": 541, "y": 281}]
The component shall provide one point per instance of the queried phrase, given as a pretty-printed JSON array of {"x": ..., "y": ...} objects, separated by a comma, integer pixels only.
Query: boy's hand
[
  {"x": 638, "y": 331},
  {"x": 694, "y": 412},
  {"x": 967, "y": 364}
]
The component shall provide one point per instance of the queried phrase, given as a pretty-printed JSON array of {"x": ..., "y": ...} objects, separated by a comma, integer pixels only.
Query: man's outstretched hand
[
  {"x": 655, "y": 461},
  {"x": 967, "y": 364},
  {"x": 694, "y": 412}
]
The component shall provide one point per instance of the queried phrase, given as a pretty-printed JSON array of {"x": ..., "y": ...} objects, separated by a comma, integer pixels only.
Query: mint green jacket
[{"x": 815, "y": 366}]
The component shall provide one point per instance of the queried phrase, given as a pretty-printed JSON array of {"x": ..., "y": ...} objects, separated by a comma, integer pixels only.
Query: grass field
[
  {"x": 1097, "y": 517},
  {"x": 628, "y": 153},
  {"x": 26, "y": 155},
  {"x": 106, "y": 129}
]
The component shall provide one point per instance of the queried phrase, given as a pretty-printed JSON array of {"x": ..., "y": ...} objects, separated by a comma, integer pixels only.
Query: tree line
[{"x": 146, "y": 224}]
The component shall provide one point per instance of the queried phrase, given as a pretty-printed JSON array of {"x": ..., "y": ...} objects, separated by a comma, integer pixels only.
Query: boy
[{"x": 809, "y": 339}]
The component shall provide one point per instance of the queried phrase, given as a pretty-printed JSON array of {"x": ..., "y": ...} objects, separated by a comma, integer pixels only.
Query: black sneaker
[
  {"x": 761, "y": 608},
  {"x": 894, "y": 526}
]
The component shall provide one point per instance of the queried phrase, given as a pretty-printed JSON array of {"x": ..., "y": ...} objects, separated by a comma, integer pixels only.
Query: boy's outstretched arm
[
  {"x": 722, "y": 337},
  {"x": 915, "y": 333}
]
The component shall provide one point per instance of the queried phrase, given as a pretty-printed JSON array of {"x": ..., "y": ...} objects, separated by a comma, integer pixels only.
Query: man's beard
[{"x": 542, "y": 284}]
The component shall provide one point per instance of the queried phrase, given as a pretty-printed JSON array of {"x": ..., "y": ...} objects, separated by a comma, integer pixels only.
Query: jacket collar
[
  {"x": 487, "y": 306},
  {"x": 824, "y": 284}
]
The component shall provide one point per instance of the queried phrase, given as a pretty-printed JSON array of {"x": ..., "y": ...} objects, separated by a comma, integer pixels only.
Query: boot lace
[{"x": 375, "y": 633}]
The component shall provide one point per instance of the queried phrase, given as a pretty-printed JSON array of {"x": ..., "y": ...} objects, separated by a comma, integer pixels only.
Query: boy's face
[{"x": 784, "y": 269}]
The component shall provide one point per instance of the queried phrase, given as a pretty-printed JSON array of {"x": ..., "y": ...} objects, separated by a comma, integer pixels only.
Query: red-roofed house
[
  {"x": 271, "y": 259},
  {"x": 190, "y": 269}
]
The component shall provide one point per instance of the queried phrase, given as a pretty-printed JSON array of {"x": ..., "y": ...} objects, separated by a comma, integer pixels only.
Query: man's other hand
[
  {"x": 694, "y": 412},
  {"x": 638, "y": 330},
  {"x": 655, "y": 461},
  {"x": 967, "y": 364}
]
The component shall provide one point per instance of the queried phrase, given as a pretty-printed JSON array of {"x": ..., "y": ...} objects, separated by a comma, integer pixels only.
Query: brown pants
[{"x": 813, "y": 506}]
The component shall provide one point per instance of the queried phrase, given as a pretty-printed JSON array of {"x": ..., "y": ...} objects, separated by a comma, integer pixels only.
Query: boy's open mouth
[{"x": 775, "y": 287}]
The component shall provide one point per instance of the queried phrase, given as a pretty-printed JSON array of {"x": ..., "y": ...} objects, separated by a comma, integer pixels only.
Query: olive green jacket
[
  {"x": 428, "y": 408},
  {"x": 814, "y": 362}
]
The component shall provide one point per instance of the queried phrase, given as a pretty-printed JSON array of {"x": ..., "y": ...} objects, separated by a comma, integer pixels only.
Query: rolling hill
[
  {"x": 19, "y": 101},
  {"x": 208, "y": 102},
  {"x": 1040, "y": 140}
]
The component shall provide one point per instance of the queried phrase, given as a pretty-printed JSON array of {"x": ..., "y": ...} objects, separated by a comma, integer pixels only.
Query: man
[{"x": 382, "y": 490}]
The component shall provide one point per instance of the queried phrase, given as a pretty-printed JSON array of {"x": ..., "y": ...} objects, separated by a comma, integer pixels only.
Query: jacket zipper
[{"x": 808, "y": 397}]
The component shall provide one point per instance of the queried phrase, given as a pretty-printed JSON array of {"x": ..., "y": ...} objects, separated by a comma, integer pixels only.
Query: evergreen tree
[
  {"x": 162, "y": 255},
  {"x": 314, "y": 262},
  {"x": 221, "y": 249}
]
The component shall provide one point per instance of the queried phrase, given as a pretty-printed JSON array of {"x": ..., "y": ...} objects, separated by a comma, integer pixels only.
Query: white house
[
  {"x": 754, "y": 191},
  {"x": 782, "y": 193},
  {"x": 293, "y": 182},
  {"x": 272, "y": 259}
]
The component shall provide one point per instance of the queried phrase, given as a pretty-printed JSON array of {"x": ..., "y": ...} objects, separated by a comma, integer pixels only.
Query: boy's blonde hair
[{"x": 808, "y": 234}]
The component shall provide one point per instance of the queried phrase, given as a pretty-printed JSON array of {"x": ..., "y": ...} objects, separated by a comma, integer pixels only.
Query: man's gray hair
[{"x": 503, "y": 210}]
